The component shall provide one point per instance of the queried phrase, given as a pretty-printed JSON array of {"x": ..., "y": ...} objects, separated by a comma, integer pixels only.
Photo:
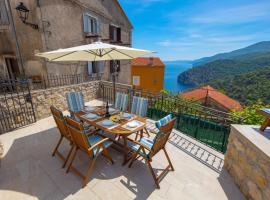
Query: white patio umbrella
[{"x": 97, "y": 51}]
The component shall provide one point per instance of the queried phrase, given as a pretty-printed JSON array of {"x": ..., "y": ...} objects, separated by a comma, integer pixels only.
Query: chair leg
[
  {"x": 89, "y": 172},
  {"x": 168, "y": 158},
  {"x": 137, "y": 134},
  {"x": 107, "y": 155},
  {"x": 69, "y": 153},
  {"x": 152, "y": 172},
  {"x": 58, "y": 144},
  {"x": 146, "y": 131},
  {"x": 133, "y": 159},
  {"x": 72, "y": 159}
]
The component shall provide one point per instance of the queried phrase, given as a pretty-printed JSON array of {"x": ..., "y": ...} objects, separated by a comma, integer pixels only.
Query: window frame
[
  {"x": 115, "y": 33},
  {"x": 90, "y": 28},
  {"x": 118, "y": 69}
]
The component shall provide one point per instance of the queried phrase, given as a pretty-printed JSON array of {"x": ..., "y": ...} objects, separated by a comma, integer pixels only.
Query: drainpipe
[{"x": 10, "y": 16}]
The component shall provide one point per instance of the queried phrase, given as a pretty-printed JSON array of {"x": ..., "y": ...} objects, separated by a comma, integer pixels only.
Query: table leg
[
  {"x": 265, "y": 124},
  {"x": 125, "y": 149}
]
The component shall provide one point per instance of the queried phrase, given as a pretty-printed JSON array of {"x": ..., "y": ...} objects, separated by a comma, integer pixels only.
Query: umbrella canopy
[{"x": 97, "y": 51}]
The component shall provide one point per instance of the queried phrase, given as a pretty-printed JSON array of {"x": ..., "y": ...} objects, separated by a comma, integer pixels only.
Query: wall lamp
[{"x": 23, "y": 13}]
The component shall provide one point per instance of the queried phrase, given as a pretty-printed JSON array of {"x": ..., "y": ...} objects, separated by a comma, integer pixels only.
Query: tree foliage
[{"x": 250, "y": 114}]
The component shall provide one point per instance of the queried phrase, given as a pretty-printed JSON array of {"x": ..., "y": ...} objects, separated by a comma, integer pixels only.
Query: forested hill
[
  {"x": 248, "y": 87},
  {"x": 226, "y": 67},
  {"x": 260, "y": 47}
]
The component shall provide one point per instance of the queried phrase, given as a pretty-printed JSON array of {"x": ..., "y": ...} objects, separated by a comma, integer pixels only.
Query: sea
[{"x": 172, "y": 70}]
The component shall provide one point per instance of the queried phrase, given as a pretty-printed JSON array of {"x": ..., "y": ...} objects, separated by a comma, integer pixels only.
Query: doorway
[{"x": 13, "y": 69}]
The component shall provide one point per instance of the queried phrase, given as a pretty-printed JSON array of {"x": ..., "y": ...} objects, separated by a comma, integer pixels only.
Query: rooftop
[
  {"x": 210, "y": 92},
  {"x": 151, "y": 61},
  {"x": 28, "y": 171}
]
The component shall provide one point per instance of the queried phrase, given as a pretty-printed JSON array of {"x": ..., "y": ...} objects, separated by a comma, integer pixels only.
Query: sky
[{"x": 191, "y": 29}]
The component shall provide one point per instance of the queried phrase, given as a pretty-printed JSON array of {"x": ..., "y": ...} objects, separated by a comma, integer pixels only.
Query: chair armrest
[
  {"x": 138, "y": 143},
  {"x": 100, "y": 143}
]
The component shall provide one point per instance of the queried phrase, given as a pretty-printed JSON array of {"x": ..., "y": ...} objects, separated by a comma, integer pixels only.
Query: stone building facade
[{"x": 61, "y": 24}]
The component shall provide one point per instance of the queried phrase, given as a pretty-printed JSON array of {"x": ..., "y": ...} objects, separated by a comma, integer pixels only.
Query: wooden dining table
[{"x": 116, "y": 130}]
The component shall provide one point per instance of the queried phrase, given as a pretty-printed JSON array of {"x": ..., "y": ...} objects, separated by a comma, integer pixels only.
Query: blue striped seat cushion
[
  {"x": 139, "y": 106},
  {"x": 75, "y": 101},
  {"x": 93, "y": 139},
  {"x": 146, "y": 142},
  {"x": 121, "y": 101},
  {"x": 163, "y": 121}
]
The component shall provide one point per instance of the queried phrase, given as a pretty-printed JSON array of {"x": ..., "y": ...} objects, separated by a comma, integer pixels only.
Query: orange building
[
  {"x": 211, "y": 97},
  {"x": 147, "y": 74}
]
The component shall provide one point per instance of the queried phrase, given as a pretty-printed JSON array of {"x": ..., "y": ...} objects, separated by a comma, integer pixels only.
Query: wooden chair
[
  {"x": 93, "y": 145},
  {"x": 121, "y": 102},
  {"x": 147, "y": 149},
  {"x": 61, "y": 125},
  {"x": 139, "y": 107},
  {"x": 75, "y": 101}
]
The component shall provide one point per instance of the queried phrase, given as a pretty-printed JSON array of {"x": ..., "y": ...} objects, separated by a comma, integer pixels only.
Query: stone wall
[
  {"x": 43, "y": 99},
  {"x": 248, "y": 162}
]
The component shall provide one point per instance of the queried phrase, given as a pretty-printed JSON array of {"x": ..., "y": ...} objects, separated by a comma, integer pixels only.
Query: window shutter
[
  {"x": 111, "y": 32},
  {"x": 86, "y": 23},
  {"x": 118, "y": 34},
  {"x": 3, "y": 13},
  {"x": 98, "y": 27},
  {"x": 111, "y": 66},
  {"x": 118, "y": 66},
  {"x": 89, "y": 68},
  {"x": 101, "y": 66}
]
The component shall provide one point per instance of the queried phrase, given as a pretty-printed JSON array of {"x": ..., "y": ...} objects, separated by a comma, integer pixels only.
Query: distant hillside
[
  {"x": 180, "y": 62},
  {"x": 247, "y": 87},
  {"x": 226, "y": 67},
  {"x": 260, "y": 47}
]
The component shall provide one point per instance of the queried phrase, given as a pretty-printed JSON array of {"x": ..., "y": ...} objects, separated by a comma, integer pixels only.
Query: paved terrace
[{"x": 28, "y": 171}]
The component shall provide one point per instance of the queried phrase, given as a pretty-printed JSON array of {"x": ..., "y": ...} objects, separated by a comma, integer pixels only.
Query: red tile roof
[
  {"x": 152, "y": 61},
  {"x": 220, "y": 98}
]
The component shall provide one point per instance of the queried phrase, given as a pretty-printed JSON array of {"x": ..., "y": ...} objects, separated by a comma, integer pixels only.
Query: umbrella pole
[{"x": 114, "y": 85}]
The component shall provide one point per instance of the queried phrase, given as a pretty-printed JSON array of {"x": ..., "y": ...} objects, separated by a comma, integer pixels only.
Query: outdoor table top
[{"x": 118, "y": 130}]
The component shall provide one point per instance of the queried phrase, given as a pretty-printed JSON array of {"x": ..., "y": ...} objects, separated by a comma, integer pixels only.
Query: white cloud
[{"x": 241, "y": 14}]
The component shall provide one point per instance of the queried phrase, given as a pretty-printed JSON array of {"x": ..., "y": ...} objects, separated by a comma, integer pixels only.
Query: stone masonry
[
  {"x": 43, "y": 99},
  {"x": 247, "y": 163}
]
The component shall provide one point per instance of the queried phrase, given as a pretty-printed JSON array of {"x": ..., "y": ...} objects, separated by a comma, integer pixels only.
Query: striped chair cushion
[
  {"x": 75, "y": 101},
  {"x": 121, "y": 101},
  {"x": 163, "y": 121},
  {"x": 93, "y": 139},
  {"x": 146, "y": 142},
  {"x": 139, "y": 106}
]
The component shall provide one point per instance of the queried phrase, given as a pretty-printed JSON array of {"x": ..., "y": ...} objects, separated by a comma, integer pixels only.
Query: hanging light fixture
[{"x": 23, "y": 13}]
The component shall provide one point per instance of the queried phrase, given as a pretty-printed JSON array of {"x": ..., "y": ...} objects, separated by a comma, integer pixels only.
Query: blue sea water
[{"x": 172, "y": 70}]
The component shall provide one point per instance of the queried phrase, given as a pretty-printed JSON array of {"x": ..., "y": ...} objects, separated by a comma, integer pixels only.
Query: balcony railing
[
  {"x": 208, "y": 125},
  {"x": 48, "y": 81}
]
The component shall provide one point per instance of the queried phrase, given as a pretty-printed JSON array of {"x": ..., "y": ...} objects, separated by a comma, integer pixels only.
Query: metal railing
[
  {"x": 208, "y": 125},
  {"x": 48, "y": 81}
]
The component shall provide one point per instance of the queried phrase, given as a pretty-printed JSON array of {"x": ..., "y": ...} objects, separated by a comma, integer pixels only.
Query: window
[
  {"x": 90, "y": 24},
  {"x": 95, "y": 67},
  {"x": 3, "y": 14},
  {"x": 112, "y": 69},
  {"x": 136, "y": 80},
  {"x": 115, "y": 33}
]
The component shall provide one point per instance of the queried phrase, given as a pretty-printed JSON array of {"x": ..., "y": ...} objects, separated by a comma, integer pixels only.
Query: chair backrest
[
  {"x": 139, "y": 106},
  {"x": 60, "y": 122},
  {"x": 121, "y": 101},
  {"x": 77, "y": 133},
  {"x": 162, "y": 137},
  {"x": 75, "y": 101},
  {"x": 163, "y": 121}
]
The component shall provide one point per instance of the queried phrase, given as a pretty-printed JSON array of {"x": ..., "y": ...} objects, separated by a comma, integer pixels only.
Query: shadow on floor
[
  {"x": 29, "y": 168},
  {"x": 204, "y": 156}
]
